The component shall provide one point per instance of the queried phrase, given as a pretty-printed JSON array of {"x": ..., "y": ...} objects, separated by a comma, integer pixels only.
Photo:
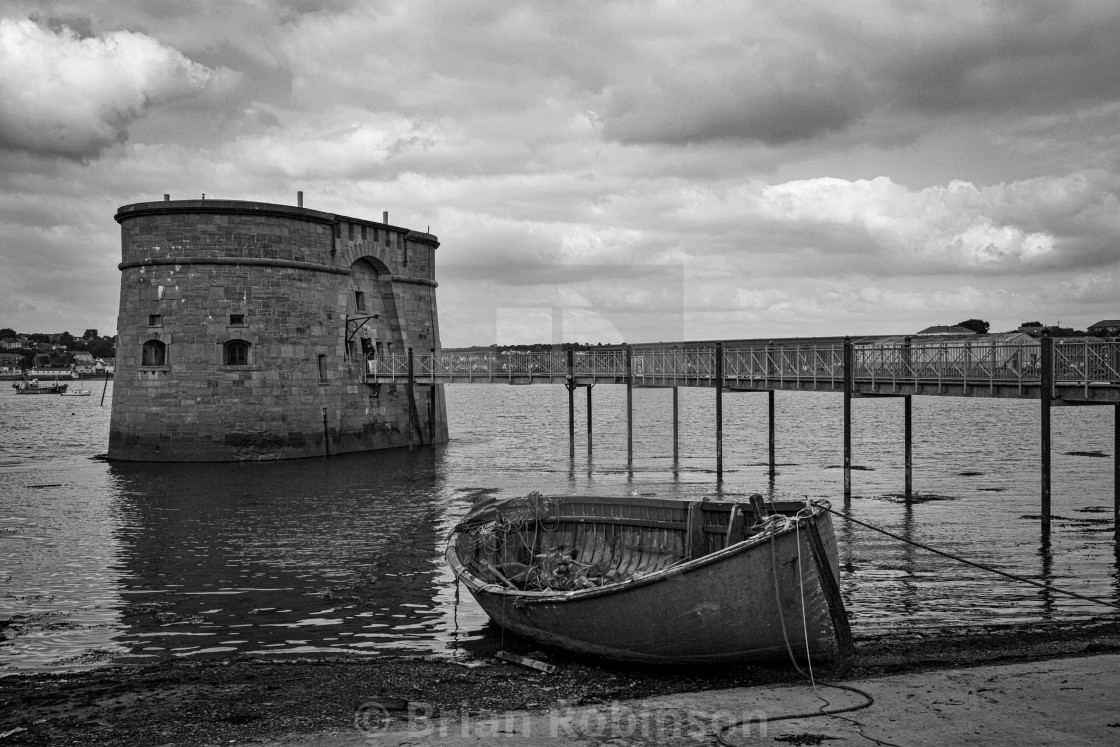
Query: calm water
[{"x": 108, "y": 562}]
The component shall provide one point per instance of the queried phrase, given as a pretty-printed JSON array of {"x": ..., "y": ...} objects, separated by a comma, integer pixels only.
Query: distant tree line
[
  {"x": 62, "y": 346},
  {"x": 980, "y": 326}
]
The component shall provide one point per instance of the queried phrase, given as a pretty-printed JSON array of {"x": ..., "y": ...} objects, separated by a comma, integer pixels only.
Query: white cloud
[{"x": 69, "y": 96}]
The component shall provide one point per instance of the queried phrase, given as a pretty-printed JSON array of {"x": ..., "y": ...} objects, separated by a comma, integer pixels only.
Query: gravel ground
[{"x": 251, "y": 699}]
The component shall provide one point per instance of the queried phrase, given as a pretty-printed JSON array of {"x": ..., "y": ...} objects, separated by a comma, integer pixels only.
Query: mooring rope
[
  {"x": 868, "y": 698},
  {"x": 973, "y": 563}
]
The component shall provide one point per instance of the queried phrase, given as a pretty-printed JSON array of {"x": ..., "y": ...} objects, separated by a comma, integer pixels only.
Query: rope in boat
[{"x": 973, "y": 563}]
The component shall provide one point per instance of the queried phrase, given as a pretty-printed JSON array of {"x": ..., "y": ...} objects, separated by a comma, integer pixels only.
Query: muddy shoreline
[{"x": 250, "y": 699}]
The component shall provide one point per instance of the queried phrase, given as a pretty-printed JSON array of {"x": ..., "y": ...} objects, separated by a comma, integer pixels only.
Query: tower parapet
[{"x": 246, "y": 331}]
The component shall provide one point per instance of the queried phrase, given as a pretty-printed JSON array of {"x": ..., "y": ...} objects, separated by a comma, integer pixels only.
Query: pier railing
[{"x": 1083, "y": 367}]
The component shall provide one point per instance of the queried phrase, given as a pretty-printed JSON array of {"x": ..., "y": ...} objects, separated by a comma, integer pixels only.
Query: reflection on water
[
  {"x": 301, "y": 556},
  {"x": 106, "y": 562}
]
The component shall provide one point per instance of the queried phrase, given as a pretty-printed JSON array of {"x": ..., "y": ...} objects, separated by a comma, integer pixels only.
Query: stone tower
[{"x": 246, "y": 331}]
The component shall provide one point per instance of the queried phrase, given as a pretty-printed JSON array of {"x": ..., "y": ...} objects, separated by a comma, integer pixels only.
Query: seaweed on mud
[
  {"x": 1070, "y": 519},
  {"x": 915, "y": 497}
]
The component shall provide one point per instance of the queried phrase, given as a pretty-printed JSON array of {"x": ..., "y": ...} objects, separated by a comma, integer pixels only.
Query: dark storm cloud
[{"x": 805, "y": 165}]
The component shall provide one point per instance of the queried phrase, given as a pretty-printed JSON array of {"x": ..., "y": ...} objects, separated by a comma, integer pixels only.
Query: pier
[{"x": 1082, "y": 371}]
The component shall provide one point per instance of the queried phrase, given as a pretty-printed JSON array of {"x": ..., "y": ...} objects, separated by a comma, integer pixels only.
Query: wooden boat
[
  {"x": 77, "y": 393},
  {"x": 39, "y": 387},
  {"x": 657, "y": 580}
]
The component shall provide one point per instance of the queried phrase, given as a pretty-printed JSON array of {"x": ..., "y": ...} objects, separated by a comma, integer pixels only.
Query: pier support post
[
  {"x": 849, "y": 383},
  {"x": 589, "y": 386},
  {"x": 629, "y": 408},
  {"x": 773, "y": 428},
  {"x": 571, "y": 386},
  {"x": 676, "y": 423},
  {"x": 413, "y": 416},
  {"x": 908, "y": 439},
  {"x": 432, "y": 413},
  {"x": 1046, "y": 393},
  {"x": 1116, "y": 470},
  {"x": 719, "y": 411}
]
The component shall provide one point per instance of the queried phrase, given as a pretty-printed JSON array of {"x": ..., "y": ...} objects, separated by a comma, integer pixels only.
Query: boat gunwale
[{"x": 475, "y": 584}]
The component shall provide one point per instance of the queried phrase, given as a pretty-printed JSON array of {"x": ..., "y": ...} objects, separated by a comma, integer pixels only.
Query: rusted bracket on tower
[{"x": 354, "y": 324}]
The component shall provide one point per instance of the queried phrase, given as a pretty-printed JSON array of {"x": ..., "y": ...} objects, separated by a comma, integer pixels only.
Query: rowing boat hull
[{"x": 752, "y": 599}]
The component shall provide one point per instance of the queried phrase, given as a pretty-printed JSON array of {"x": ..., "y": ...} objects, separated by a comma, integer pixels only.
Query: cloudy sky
[{"x": 597, "y": 171}]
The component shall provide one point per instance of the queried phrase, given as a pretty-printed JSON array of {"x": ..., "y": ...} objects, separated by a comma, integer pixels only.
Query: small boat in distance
[
  {"x": 77, "y": 393},
  {"x": 656, "y": 580},
  {"x": 34, "y": 386}
]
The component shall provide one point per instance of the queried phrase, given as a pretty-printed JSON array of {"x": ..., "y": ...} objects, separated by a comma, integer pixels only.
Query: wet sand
[{"x": 256, "y": 700}]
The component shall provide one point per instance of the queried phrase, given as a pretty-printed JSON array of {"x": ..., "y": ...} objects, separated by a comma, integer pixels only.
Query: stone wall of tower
[{"x": 258, "y": 320}]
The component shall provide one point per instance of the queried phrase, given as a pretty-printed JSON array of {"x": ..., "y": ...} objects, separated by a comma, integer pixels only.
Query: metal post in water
[
  {"x": 326, "y": 434},
  {"x": 676, "y": 423},
  {"x": 773, "y": 429},
  {"x": 412, "y": 424},
  {"x": 719, "y": 411},
  {"x": 432, "y": 402},
  {"x": 849, "y": 382},
  {"x": 571, "y": 383},
  {"x": 1045, "y": 393},
  {"x": 1116, "y": 469},
  {"x": 629, "y": 408},
  {"x": 908, "y": 443},
  {"x": 589, "y": 418}
]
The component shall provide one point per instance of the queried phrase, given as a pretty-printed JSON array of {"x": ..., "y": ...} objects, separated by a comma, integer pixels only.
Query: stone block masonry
[{"x": 246, "y": 330}]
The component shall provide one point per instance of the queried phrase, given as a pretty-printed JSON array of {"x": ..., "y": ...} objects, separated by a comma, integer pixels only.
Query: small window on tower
[
  {"x": 237, "y": 319},
  {"x": 236, "y": 353},
  {"x": 155, "y": 320},
  {"x": 360, "y": 300},
  {"x": 154, "y": 353}
]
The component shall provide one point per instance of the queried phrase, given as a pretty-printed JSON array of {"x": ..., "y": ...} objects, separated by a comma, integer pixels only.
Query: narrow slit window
[
  {"x": 360, "y": 300},
  {"x": 322, "y": 369},
  {"x": 363, "y": 233}
]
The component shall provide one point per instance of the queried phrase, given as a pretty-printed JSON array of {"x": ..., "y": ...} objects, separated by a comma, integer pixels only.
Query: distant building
[
  {"x": 951, "y": 330},
  {"x": 46, "y": 372},
  {"x": 1105, "y": 327},
  {"x": 84, "y": 362},
  {"x": 10, "y": 363},
  {"x": 11, "y": 343}
]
